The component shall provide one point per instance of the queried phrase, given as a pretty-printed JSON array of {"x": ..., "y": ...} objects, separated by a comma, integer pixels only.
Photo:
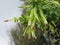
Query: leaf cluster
[{"x": 43, "y": 15}]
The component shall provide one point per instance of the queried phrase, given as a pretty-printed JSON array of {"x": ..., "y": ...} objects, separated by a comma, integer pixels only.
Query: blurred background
[{"x": 8, "y": 9}]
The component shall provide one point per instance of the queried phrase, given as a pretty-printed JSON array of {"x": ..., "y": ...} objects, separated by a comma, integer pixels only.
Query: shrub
[{"x": 39, "y": 22}]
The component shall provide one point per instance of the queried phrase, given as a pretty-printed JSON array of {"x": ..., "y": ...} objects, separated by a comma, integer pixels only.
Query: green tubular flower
[
  {"x": 43, "y": 17},
  {"x": 25, "y": 6},
  {"x": 35, "y": 14},
  {"x": 33, "y": 34},
  {"x": 29, "y": 33},
  {"x": 33, "y": 24},
  {"x": 30, "y": 18}
]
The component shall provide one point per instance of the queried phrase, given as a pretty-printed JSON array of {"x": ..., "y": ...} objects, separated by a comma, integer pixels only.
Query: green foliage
[
  {"x": 42, "y": 15},
  {"x": 15, "y": 19}
]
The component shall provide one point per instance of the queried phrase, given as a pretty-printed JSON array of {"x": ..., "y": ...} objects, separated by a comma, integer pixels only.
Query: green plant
[{"x": 40, "y": 16}]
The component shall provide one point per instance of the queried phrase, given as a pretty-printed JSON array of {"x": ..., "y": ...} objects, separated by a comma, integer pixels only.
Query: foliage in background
[{"x": 39, "y": 22}]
